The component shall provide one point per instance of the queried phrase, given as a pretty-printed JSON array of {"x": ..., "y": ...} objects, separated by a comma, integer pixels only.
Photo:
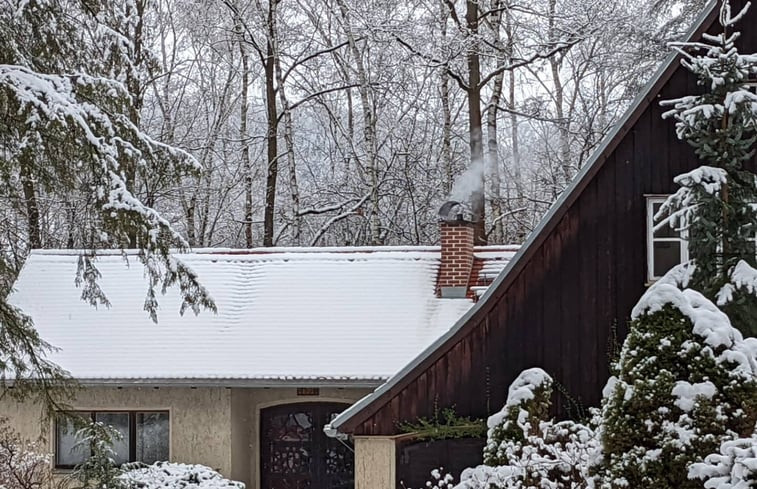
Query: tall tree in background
[{"x": 474, "y": 58}]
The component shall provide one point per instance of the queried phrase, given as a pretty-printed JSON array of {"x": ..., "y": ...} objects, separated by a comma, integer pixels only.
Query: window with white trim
[
  {"x": 144, "y": 437},
  {"x": 666, "y": 247}
]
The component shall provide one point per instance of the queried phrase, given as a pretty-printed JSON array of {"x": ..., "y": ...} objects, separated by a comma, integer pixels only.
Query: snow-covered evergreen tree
[
  {"x": 68, "y": 125},
  {"x": 526, "y": 449},
  {"x": 715, "y": 205},
  {"x": 685, "y": 382}
]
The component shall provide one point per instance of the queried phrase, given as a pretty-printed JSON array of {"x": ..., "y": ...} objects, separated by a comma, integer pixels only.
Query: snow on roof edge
[
  {"x": 244, "y": 251},
  {"x": 347, "y": 414},
  {"x": 335, "y": 382}
]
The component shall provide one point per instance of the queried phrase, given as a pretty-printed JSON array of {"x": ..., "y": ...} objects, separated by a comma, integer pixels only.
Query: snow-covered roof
[{"x": 322, "y": 314}]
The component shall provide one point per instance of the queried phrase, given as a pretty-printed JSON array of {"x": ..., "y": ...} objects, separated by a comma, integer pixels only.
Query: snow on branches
[
  {"x": 22, "y": 464},
  {"x": 715, "y": 205},
  {"x": 525, "y": 450},
  {"x": 729, "y": 108},
  {"x": 685, "y": 382},
  {"x": 177, "y": 475},
  {"x": 733, "y": 467},
  {"x": 69, "y": 93}
]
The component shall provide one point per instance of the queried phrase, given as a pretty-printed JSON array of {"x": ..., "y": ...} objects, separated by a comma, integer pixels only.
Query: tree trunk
[
  {"x": 478, "y": 202},
  {"x": 244, "y": 138},
  {"x": 491, "y": 130},
  {"x": 446, "y": 152},
  {"x": 563, "y": 125},
  {"x": 30, "y": 201},
  {"x": 515, "y": 171},
  {"x": 369, "y": 127},
  {"x": 272, "y": 141},
  {"x": 289, "y": 143}
]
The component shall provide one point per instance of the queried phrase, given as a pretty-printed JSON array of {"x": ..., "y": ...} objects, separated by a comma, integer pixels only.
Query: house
[
  {"x": 565, "y": 298},
  {"x": 300, "y": 334}
]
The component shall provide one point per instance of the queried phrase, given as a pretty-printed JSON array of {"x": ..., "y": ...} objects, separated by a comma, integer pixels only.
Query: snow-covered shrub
[
  {"x": 685, "y": 383},
  {"x": 169, "y": 475},
  {"x": 525, "y": 450},
  {"x": 439, "y": 480},
  {"x": 22, "y": 464},
  {"x": 734, "y": 467},
  {"x": 528, "y": 401}
]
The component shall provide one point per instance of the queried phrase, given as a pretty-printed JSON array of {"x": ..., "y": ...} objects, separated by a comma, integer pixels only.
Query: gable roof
[
  {"x": 311, "y": 315},
  {"x": 348, "y": 420}
]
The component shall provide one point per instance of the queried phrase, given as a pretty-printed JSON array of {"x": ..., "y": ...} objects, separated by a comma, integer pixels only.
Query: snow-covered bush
[
  {"x": 168, "y": 475},
  {"x": 525, "y": 450},
  {"x": 22, "y": 464},
  {"x": 685, "y": 383},
  {"x": 734, "y": 467}
]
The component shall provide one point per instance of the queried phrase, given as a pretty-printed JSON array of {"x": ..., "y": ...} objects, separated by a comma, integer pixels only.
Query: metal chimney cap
[{"x": 454, "y": 211}]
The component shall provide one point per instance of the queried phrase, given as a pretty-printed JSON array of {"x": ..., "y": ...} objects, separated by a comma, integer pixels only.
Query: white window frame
[{"x": 651, "y": 201}]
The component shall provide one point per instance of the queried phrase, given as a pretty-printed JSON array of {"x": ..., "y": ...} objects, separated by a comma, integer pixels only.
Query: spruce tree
[
  {"x": 684, "y": 383},
  {"x": 715, "y": 205},
  {"x": 68, "y": 126}
]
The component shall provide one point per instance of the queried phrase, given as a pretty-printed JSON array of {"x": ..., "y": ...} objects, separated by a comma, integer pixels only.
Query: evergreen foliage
[
  {"x": 715, "y": 205},
  {"x": 99, "y": 470},
  {"x": 733, "y": 467},
  {"x": 525, "y": 449},
  {"x": 69, "y": 93},
  {"x": 685, "y": 383},
  {"x": 444, "y": 424}
]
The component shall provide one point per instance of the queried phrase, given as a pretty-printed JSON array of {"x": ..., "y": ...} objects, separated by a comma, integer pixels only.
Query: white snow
[
  {"x": 709, "y": 322},
  {"x": 743, "y": 276},
  {"x": 337, "y": 314},
  {"x": 522, "y": 389},
  {"x": 686, "y": 394},
  {"x": 735, "y": 467},
  {"x": 163, "y": 475}
]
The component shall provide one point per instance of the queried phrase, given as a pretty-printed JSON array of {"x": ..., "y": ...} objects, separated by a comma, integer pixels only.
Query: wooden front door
[{"x": 296, "y": 453}]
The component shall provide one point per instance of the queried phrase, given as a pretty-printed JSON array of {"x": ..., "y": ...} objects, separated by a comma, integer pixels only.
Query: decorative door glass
[{"x": 297, "y": 454}]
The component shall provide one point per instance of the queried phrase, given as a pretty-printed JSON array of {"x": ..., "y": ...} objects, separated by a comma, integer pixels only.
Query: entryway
[{"x": 297, "y": 454}]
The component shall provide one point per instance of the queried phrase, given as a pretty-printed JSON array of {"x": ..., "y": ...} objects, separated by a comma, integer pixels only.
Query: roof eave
[
  {"x": 346, "y": 422},
  {"x": 232, "y": 383}
]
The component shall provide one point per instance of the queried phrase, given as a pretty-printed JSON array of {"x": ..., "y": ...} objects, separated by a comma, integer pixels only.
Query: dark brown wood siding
[{"x": 580, "y": 282}]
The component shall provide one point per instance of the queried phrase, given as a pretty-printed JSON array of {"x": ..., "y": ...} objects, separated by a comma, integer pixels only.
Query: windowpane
[
  {"x": 69, "y": 451},
  {"x": 152, "y": 437},
  {"x": 666, "y": 255},
  {"x": 120, "y": 422}
]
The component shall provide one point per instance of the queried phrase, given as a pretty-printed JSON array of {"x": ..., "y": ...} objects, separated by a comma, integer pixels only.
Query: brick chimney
[{"x": 457, "y": 258}]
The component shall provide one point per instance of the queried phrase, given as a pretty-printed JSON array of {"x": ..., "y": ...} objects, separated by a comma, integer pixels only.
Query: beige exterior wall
[
  {"x": 218, "y": 427},
  {"x": 375, "y": 459},
  {"x": 200, "y": 419}
]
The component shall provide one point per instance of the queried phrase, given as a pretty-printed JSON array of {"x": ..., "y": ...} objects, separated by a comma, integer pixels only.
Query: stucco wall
[
  {"x": 217, "y": 427},
  {"x": 375, "y": 459},
  {"x": 200, "y": 418}
]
